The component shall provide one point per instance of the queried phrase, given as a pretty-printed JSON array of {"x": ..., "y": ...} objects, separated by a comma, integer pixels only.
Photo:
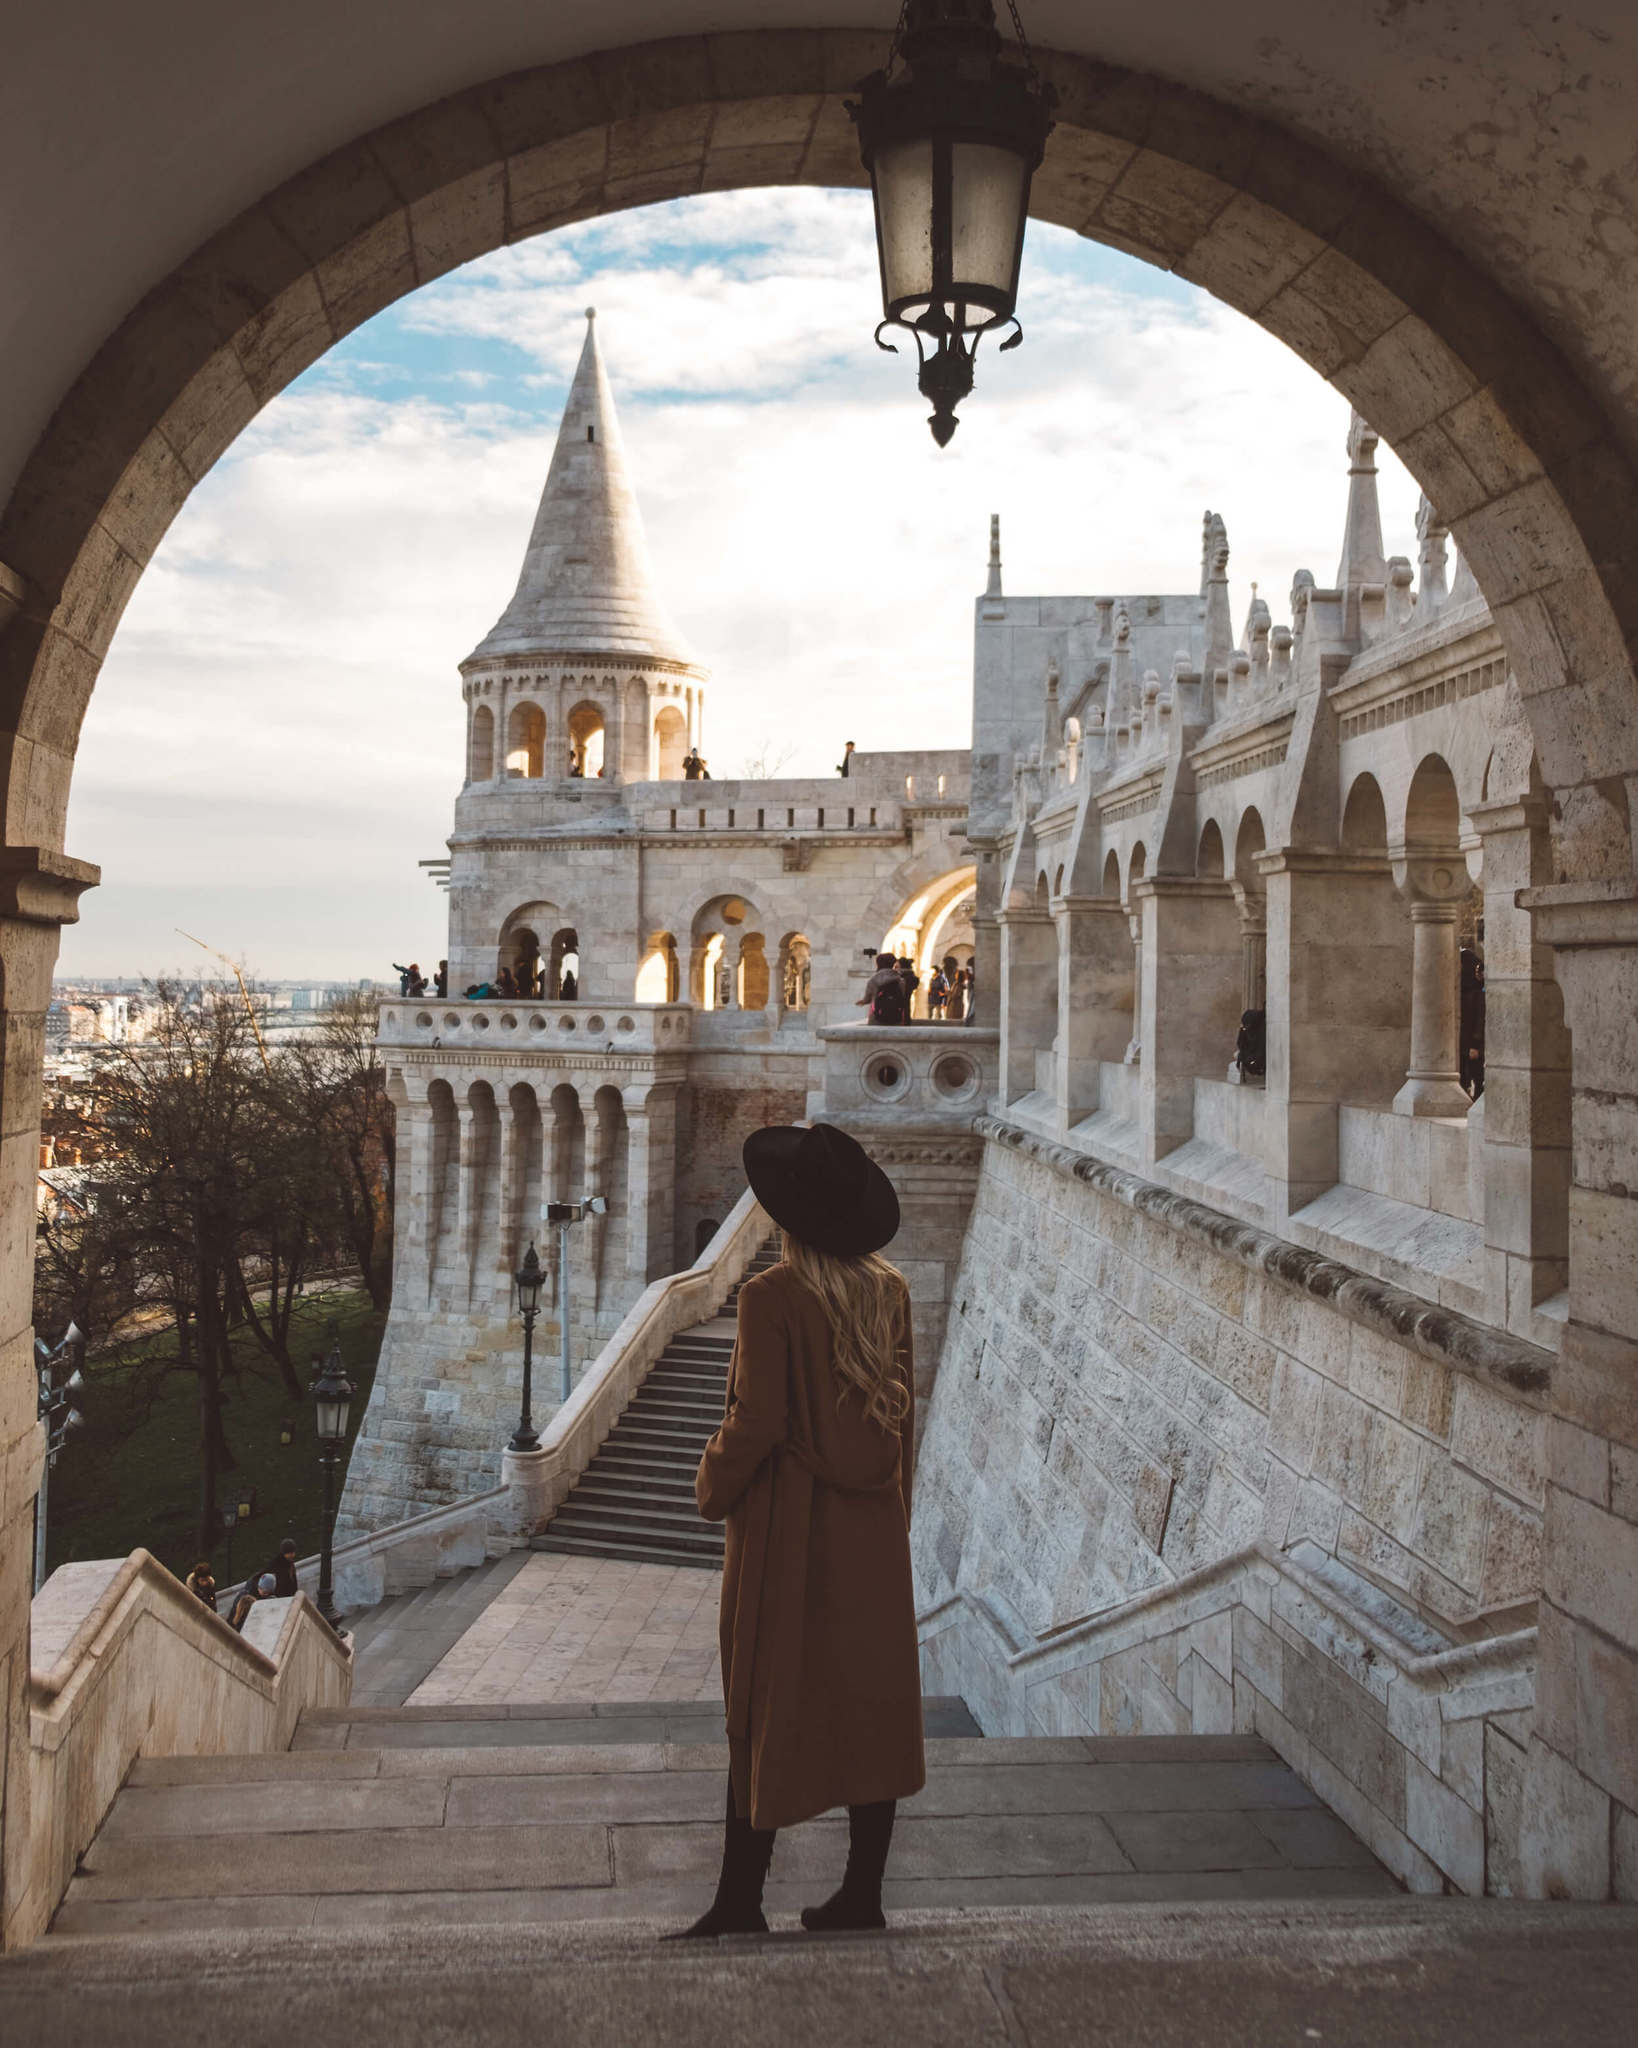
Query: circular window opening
[
  {"x": 885, "y": 1078},
  {"x": 509, "y": 1022},
  {"x": 627, "y": 1024},
  {"x": 733, "y": 910},
  {"x": 595, "y": 1024},
  {"x": 565, "y": 1023},
  {"x": 537, "y": 1022},
  {"x": 423, "y": 1020},
  {"x": 954, "y": 1077},
  {"x": 452, "y": 1022}
]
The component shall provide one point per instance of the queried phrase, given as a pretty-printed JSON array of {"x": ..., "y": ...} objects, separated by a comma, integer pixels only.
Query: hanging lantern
[{"x": 951, "y": 132}]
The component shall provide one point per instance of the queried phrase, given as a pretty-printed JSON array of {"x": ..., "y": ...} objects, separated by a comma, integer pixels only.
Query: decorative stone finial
[
  {"x": 993, "y": 587},
  {"x": 591, "y": 312}
]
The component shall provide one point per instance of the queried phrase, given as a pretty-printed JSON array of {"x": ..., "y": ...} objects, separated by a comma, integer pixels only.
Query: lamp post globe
[{"x": 951, "y": 130}]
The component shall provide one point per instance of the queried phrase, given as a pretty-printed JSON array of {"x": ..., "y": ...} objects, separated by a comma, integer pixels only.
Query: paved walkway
[{"x": 584, "y": 1628}]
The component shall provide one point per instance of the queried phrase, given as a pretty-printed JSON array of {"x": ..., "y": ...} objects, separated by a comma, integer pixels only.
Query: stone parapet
[{"x": 127, "y": 1663}]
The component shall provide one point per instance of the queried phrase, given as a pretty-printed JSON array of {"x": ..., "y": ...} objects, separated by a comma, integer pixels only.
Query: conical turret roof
[{"x": 586, "y": 585}]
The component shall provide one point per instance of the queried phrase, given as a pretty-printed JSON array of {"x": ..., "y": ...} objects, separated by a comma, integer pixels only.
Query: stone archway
[{"x": 1484, "y": 410}]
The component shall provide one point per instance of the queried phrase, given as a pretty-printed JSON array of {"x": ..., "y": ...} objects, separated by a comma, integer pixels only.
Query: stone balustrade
[{"x": 501, "y": 1026}]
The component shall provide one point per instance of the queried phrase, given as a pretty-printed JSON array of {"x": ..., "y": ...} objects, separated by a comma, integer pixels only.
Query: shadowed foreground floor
[{"x": 1414, "y": 1973}]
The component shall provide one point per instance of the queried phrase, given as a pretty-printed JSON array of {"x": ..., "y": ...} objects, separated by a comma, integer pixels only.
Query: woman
[{"x": 811, "y": 1471}]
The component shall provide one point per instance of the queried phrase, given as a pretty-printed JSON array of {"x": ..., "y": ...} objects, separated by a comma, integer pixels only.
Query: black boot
[
  {"x": 737, "y": 1907},
  {"x": 858, "y": 1905}
]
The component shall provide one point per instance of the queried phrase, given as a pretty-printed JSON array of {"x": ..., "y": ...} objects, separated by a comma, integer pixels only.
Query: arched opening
[
  {"x": 658, "y": 976},
  {"x": 526, "y": 741},
  {"x": 728, "y": 962},
  {"x": 520, "y": 961},
  {"x": 1343, "y": 318},
  {"x": 1365, "y": 818},
  {"x": 1208, "y": 859},
  {"x": 935, "y": 924},
  {"x": 585, "y": 729},
  {"x": 480, "y": 749},
  {"x": 1431, "y": 872},
  {"x": 563, "y": 983},
  {"x": 795, "y": 972},
  {"x": 670, "y": 743}
]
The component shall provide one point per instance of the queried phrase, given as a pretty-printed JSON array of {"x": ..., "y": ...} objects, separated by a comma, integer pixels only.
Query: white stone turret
[
  {"x": 587, "y": 586},
  {"x": 583, "y": 678}
]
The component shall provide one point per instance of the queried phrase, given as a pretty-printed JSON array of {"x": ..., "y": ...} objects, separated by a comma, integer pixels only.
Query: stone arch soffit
[
  {"x": 689, "y": 911},
  {"x": 894, "y": 895},
  {"x": 542, "y": 918},
  {"x": 1484, "y": 410}
]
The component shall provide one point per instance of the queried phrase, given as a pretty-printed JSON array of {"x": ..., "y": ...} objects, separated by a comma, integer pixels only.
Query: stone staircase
[
  {"x": 636, "y": 1498},
  {"x": 488, "y": 1816}
]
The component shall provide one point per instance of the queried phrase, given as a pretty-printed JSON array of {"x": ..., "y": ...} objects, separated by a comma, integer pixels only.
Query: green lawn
[{"x": 131, "y": 1475}]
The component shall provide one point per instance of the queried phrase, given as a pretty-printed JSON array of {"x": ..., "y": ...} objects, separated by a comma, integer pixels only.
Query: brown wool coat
[{"x": 820, "y": 1670}]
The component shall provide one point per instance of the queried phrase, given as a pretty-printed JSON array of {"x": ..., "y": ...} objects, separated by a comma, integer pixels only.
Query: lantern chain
[{"x": 1018, "y": 24}]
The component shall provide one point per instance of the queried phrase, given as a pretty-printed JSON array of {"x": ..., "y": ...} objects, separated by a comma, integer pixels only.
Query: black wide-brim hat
[{"x": 823, "y": 1187}]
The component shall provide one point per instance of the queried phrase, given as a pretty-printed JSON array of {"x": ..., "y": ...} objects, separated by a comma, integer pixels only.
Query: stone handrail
[
  {"x": 542, "y": 1477},
  {"x": 127, "y": 1663},
  {"x": 1406, "y": 1782}
]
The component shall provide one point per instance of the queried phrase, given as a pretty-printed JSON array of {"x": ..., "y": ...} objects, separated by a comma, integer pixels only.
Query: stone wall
[
  {"x": 1136, "y": 1390},
  {"x": 714, "y": 1118}
]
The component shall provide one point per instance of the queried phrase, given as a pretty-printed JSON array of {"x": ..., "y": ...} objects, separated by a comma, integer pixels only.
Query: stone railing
[
  {"x": 497, "y": 1025},
  {"x": 127, "y": 1663},
  {"x": 1429, "y": 1774},
  {"x": 541, "y": 1478},
  {"x": 911, "y": 1073}
]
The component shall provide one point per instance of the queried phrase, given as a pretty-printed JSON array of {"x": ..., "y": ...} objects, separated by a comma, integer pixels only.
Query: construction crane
[{"x": 238, "y": 975}]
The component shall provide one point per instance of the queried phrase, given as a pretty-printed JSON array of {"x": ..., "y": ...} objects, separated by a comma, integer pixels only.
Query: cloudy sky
[{"x": 277, "y": 735}]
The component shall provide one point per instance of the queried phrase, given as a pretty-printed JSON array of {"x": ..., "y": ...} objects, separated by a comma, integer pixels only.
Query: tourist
[
  {"x": 570, "y": 988},
  {"x": 505, "y": 986},
  {"x": 201, "y": 1583},
  {"x": 967, "y": 980},
  {"x": 911, "y": 980},
  {"x": 844, "y": 765},
  {"x": 884, "y": 993},
  {"x": 411, "y": 981},
  {"x": 1471, "y": 1005},
  {"x": 479, "y": 992},
  {"x": 1251, "y": 1045},
  {"x": 575, "y": 769},
  {"x": 811, "y": 1472},
  {"x": 282, "y": 1569},
  {"x": 938, "y": 994},
  {"x": 252, "y": 1591},
  {"x": 440, "y": 981}
]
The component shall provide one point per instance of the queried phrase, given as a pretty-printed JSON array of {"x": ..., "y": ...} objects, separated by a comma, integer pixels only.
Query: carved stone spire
[
  {"x": 993, "y": 587},
  {"x": 586, "y": 586},
  {"x": 1362, "y": 558},
  {"x": 1219, "y": 620},
  {"x": 1433, "y": 557}
]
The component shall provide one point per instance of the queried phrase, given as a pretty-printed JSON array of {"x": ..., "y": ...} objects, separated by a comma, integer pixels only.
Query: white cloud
[{"x": 281, "y": 708}]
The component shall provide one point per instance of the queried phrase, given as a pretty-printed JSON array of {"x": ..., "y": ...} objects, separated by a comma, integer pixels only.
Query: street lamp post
[
  {"x": 528, "y": 1279},
  {"x": 332, "y": 1398},
  {"x": 53, "y": 1407},
  {"x": 563, "y": 1214}
]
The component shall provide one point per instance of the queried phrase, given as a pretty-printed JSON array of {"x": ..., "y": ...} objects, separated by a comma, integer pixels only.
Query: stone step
[
  {"x": 634, "y": 1550},
  {"x": 437, "y": 1816},
  {"x": 615, "y": 1486},
  {"x": 627, "y": 1510}
]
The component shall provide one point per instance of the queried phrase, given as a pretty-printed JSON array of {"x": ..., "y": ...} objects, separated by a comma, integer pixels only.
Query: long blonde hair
[{"x": 863, "y": 1300}]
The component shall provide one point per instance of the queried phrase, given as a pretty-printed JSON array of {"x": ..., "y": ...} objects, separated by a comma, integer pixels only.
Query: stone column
[
  {"x": 39, "y": 893},
  {"x": 1525, "y": 1146},
  {"x": 1580, "y": 1833},
  {"x": 1133, "y": 1055},
  {"x": 1339, "y": 967},
  {"x": 1190, "y": 975},
  {"x": 1094, "y": 998},
  {"x": 469, "y": 1140},
  {"x": 651, "y": 1172},
  {"x": 412, "y": 1248},
  {"x": 1029, "y": 996},
  {"x": 1432, "y": 1081}
]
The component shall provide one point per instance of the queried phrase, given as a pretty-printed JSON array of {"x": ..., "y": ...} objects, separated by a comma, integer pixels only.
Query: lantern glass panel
[
  {"x": 332, "y": 1419},
  {"x": 904, "y": 223},
  {"x": 986, "y": 221}
]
